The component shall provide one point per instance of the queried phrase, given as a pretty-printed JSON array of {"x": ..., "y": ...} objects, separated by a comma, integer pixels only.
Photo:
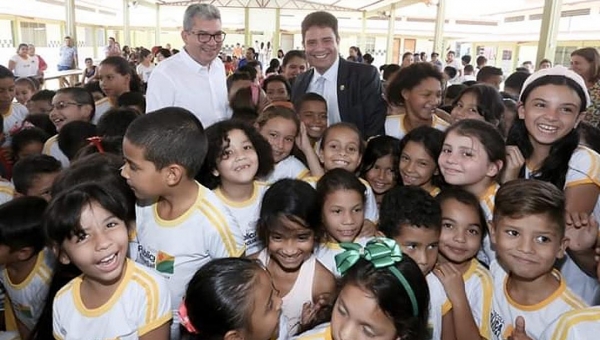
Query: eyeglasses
[
  {"x": 204, "y": 37},
  {"x": 62, "y": 105}
]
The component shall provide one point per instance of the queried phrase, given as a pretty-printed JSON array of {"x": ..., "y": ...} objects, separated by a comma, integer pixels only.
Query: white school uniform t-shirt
[
  {"x": 439, "y": 305},
  {"x": 7, "y": 191},
  {"x": 575, "y": 325},
  {"x": 487, "y": 201},
  {"x": 290, "y": 167},
  {"x": 27, "y": 298},
  {"x": 537, "y": 317},
  {"x": 178, "y": 248},
  {"x": 140, "y": 304},
  {"x": 371, "y": 210},
  {"x": 14, "y": 116},
  {"x": 144, "y": 72},
  {"x": 246, "y": 214},
  {"x": 325, "y": 253},
  {"x": 102, "y": 106},
  {"x": 584, "y": 168},
  {"x": 51, "y": 148},
  {"x": 479, "y": 287},
  {"x": 394, "y": 125}
]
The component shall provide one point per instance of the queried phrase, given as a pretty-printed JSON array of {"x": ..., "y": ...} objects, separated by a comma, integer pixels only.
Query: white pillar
[
  {"x": 126, "y": 33},
  {"x": 438, "y": 37},
  {"x": 549, "y": 30},
  {"x": 71, "y": 26},
  {"x": 389, "y": 55},
  {"x": 157, "y": 26}
]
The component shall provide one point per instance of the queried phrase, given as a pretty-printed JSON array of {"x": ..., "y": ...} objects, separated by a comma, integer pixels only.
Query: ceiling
[{"x": 335, "y": 5}]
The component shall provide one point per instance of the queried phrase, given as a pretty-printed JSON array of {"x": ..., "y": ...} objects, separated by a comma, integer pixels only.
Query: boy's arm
[
  {"x": 23, "y": 330},
  {"x": 161, "y": 333}
]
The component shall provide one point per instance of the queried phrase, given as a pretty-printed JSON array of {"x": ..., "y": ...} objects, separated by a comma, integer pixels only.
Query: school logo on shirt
[
  {"x": 165, "y": 263},
  {"x": 24, "y": 310},
  {"x": 496, "y": 323}
]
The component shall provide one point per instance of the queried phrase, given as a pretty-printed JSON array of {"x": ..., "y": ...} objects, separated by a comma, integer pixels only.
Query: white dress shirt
[
  {"x": 329, "y": 91},
  {"x": 181, "y": 81}
]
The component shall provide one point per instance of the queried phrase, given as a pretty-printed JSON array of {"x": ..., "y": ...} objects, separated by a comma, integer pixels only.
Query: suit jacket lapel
[{"x": 342, "y": 89}]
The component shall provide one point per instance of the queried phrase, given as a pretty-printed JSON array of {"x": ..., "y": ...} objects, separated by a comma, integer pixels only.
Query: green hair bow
[{"x": 382, "y": 253}]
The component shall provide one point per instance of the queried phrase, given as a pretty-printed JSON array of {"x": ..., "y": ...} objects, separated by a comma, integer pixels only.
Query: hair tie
[
  {"x": 97, "y": 142},
  {"x": 184, "y": 320},
  {"x": 382, "y": 253}
]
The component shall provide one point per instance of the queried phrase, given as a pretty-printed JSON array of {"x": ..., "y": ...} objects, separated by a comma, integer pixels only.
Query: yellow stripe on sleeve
[
  {"x": 150, "y": 287},
  {"x": 218, "y": 221},
  {"x": 573, "y": 318}
]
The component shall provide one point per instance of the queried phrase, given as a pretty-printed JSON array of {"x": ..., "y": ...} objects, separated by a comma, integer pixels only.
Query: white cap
[{"x": 558, "y": 70}]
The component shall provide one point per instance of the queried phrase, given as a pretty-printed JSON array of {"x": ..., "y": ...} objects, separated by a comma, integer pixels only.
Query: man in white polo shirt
[{"x": 194, "y": 78}]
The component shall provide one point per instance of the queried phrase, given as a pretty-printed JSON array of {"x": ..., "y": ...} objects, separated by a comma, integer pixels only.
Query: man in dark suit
[{"x": 352, "y": 90}]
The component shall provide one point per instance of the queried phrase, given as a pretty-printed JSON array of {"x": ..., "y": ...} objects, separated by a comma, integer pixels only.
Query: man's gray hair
[{"x": 203, "y": 11}]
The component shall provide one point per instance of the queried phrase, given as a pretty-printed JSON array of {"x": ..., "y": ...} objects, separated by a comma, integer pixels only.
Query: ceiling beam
[
  {"x": 283, "y": 4},
  {"x": 399, "y": 4}
]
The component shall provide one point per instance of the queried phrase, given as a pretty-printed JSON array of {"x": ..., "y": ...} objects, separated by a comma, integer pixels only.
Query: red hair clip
[
  {"x": 184, "y": 320},
  {"x": 97, "y": 142},
  {"x": 20, "y": 127}
]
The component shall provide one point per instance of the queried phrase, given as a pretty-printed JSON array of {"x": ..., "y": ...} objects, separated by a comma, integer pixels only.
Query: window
[{"x": 33, "y": 33}]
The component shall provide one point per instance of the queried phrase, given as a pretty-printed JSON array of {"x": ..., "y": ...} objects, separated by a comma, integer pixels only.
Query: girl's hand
[
  {"x": 302, "y": 140},
  {"x": 314, "y": 313},
  {"x": 577, "y": 219},
  {"x": 369, "y": 229},
  {"x": 582, "y": 231},
  {"x": 452, "y": 281},
  {"x": 514, "y": 163}
]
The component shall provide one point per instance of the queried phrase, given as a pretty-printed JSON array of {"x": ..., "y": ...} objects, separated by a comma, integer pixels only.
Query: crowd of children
[{"x": 479, "y": 222}]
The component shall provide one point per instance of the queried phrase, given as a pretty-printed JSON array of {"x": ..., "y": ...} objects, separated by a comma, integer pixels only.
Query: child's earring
[{"x": 215, "y": 173}]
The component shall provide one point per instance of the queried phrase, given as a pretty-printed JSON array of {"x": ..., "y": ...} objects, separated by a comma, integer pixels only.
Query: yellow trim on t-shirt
[
  {"x": 95, "y": 312},
  {"x": 475, "y": 269},
  {"x": 489, "y": 192},
  {"x": 446, "y": 307},
  {"x": 38, "y": 262},
  {"x": 7, "y": 190},
  {"x": 303, "y": 174},
  {"x": 593, "y": 169},
  {"x": 155, "y": 324},
  {"x": 573, "y": 318},
  {"x": 581, "y": 182},
  {"x": 311, "y": 179},
  {"x": 218, "y": 221},
  {"x": 48, "y": 144},
  {"x": 325, "y": 334},
  {"x": 236, "y": 204},
  {"x": 179, "y": 220},
  {"x": 10, "y": 320},
  {"x": 8, "y": 112},
  {"x": 562, "y": 288},
  {"x": 150, "y": 286},
  {"x": 151, "y": 290}
]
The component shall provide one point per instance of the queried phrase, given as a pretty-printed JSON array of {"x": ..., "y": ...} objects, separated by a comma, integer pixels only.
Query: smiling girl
[
  {"x": 418, "y": 89},
  {"x": 114, "y": 296},
  {"x": 545, "y": 145},
  {"x": 237, "y": 155},
  {"x": 379, "y": 165},
  {"x": 288, "y": 227}
]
